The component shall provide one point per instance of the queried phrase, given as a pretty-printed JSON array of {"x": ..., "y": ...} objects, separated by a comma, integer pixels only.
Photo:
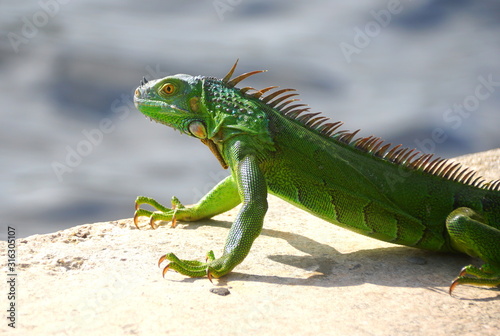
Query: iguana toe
[
  {"x": 487, "y": 276},
  {"x": 165, "y": 270}
]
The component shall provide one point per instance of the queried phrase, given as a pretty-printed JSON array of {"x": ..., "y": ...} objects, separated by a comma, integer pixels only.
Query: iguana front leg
[
  {"x": 248, "y": 184},
  {"x": 223, "y": 197},
  {"x": 471, "y": 235}
]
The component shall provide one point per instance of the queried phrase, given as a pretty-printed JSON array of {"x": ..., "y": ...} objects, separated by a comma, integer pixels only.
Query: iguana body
[{"x": 271, "y": 144}]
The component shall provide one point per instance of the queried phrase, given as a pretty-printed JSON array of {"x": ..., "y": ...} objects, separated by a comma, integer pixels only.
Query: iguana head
[
  {"x": 176, "y": 102},
  {"x": 173, "y": 101},
  {"x": 207, "y": 108}
]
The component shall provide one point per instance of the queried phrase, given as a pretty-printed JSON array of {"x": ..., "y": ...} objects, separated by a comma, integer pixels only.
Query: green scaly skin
[{"x": 362, "y": 185}]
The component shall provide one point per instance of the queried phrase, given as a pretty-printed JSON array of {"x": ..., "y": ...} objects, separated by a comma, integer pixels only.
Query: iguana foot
[
  {"x": 162, "y": 213},
  {"x": 197, "y": 269},
  {"x": 470, "y": 233},
  {"x": 487, "y": 275}
]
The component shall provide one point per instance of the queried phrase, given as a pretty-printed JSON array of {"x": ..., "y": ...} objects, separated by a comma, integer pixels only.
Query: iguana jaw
[{"x": 151, "y": 108}]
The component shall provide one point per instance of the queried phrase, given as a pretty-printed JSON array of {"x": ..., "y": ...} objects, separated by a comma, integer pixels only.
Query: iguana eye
[{"x": 168, "y": 89}]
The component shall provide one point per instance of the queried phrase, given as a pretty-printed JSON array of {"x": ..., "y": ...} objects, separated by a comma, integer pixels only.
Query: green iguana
[{"x": 272, "y": 144}]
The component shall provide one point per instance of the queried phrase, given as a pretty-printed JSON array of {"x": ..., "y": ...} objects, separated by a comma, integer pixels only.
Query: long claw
[
  {"x": 456, "y": 281},
  {"x": 454, "y": 284},
  {"x": 209, "y": 275},
  {"x": 135, "y": 221},
  {"x": 165, "y": 270},
  {"x": 162, "y": 259},
  {"x": 174, "y": 222},
  {"x": 152, "y": 223},
  {"x": 137, "y": 205}
]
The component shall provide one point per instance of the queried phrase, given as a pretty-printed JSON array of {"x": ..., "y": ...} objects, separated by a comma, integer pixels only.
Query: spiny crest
[
  {"x": 232, "y": 82},
  {"x": 282, "y": 101}
]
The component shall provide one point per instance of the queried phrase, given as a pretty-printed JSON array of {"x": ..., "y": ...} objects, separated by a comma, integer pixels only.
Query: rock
[
  {"x": 303, "y": 277},
  {"x": 222, "y": 291}
]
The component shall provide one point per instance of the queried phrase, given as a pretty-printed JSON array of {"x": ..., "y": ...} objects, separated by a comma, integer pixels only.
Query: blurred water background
[{"x": 74, "y": 150}]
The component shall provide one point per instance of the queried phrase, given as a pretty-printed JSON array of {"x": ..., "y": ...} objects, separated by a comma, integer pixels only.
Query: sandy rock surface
[{"x": 303, "y": 277}]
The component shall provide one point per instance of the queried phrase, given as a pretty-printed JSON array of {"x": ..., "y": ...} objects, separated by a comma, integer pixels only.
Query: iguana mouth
[
  {"x": 167, "y": 109},
  {"x": 155, "y": 103}
]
